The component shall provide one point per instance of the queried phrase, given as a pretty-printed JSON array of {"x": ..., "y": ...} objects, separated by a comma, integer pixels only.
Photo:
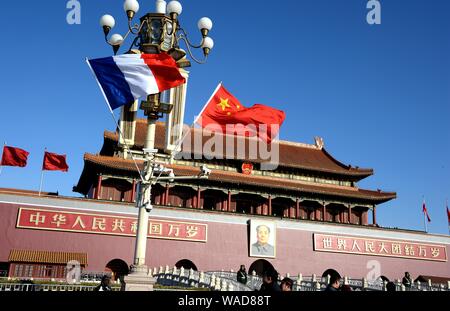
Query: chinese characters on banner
[
  {"x": 378, "y": 247},
  {"x": 106, "y": 224}
]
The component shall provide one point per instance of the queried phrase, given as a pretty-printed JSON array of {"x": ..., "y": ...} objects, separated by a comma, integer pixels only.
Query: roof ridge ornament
[{"x": 319, "y": 142}]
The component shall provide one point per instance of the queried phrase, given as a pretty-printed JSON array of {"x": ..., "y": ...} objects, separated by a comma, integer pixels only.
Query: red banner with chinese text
[
  {"x": 55, "y": 220},
  {"x": 378, "y": 247}
]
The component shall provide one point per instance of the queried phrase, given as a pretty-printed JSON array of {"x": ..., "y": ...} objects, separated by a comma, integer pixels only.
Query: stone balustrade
[{"x": 226, "y": 281}]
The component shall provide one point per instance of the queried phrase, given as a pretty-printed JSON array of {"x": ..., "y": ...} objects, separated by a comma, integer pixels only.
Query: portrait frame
[{"x": 255, "y": 248}]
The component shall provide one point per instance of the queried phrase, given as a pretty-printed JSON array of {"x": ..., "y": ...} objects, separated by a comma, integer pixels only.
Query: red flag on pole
[
  {"x": 14, "y": 157},
  {"x": 54, "y": 162},
  {"x": 425, "y": 211},
  {"x": 224, "y": 112}
]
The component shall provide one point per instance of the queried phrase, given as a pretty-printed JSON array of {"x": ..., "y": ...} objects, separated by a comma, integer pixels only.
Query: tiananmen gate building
[{"x": 317, "y": 215}]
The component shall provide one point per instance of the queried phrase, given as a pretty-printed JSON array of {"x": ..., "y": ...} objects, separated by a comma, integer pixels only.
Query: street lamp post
[{"x": 155, "y": 33}]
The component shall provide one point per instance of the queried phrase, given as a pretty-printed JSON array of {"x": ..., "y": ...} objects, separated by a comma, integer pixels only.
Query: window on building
[{"x": 48, "y": 271}]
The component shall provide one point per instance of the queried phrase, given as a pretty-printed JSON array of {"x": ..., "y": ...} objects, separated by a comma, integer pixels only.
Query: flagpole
[
  {"x": 115, "y": 121},
  {"x": 424, "y": 214},
  {"x": 42, "y": 174},
  {"x": 196, "y": 119},
  {"x": 206, "y": 104},
  {"x": 425, "y": 222}
]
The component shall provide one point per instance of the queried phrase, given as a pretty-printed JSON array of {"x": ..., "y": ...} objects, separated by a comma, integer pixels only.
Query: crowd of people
[{"x": 271, "y": 282}]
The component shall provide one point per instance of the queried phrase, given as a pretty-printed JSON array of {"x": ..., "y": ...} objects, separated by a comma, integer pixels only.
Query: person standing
[
  {"x": 286, "y": 284},
  {"x": 335, "y": 283},
  {"x": 104, "y": 284},
  {"x": 270, "y": 282},
  {"x": 407, "y": 282},
  {"x": 242, "y": 275}
]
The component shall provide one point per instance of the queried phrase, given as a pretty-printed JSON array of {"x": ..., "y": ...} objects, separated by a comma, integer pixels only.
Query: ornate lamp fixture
[{"x": 159, "y": 32}]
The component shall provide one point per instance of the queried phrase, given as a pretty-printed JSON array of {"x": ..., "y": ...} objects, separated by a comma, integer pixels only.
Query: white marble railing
[
  {"x": 14, "y": 287},
  {"x": 226, "y": 281}
]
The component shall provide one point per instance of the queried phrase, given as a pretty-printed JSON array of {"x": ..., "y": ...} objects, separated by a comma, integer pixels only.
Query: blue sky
[{"x": 379, "y": 95}]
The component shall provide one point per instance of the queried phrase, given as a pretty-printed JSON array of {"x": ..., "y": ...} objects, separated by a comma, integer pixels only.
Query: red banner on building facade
[
  {"x": 54, "y": 220},
  {"x": 377, "y": 247}
]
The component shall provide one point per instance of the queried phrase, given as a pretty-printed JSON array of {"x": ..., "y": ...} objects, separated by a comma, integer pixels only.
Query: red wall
[{"x": 227, "y": 248}]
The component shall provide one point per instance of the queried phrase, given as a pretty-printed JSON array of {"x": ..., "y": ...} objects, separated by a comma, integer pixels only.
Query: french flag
[{"x": 125, "y": 78}]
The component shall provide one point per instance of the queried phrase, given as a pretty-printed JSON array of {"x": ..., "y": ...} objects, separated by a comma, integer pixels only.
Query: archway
[
  {"x": 259, "y": 266},
  {"x": 118, "y": 268},
  {"x": 186, "y": 264},
  {"x": 330, "y": 272}
]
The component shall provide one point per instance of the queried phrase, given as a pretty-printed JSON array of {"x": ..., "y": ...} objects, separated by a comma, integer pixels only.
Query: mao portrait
[{"x": 262, "y": 239}]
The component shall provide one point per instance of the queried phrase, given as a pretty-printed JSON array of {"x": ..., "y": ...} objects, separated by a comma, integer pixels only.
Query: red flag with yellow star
[{"x": 225, "y": 113}]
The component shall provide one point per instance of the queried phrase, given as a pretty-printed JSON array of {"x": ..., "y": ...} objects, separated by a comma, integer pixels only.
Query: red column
[
  {"x": 270, "y": 205},
  {"x": 162, "y": 198},
  {"x": 166, "y": 196},
  {"x": 199, "y": 203},
  {"x": 229, "y": 202},
  {"x": 259, "y": 209},
  {"x": 133, "y": 191},
  {"x": 324, "y": 212},
  {"x": 349, "y": 214},
  {"x": 297, "y": 209},
  {"x": 99, "y": 187},
  {"x": 374, "y": 215}
]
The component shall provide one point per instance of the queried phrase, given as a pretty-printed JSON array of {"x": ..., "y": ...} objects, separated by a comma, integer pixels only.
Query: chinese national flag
[
  {"x": 14, "y": 157},
  {"x": 224, "y": 109},
  {"x": 54, "y": 162},
  {"x": 424, "y": 209}
]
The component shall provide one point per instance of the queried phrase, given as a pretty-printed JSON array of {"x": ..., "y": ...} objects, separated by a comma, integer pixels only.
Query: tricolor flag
[
  {"x": 224, "y": 112},
  {"x": 425, "y": 211},
  {"x": 125, "y": 78},
  {"x": 14, "y": 157},
  {"x": 54, "y": 162}
]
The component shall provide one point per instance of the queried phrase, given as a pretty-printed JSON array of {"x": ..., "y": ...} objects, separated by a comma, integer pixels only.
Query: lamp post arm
[
  {"x": 181, "y": 37},
  {"x": 136, "y": 28},
  {"x": 188, "y": 42}
]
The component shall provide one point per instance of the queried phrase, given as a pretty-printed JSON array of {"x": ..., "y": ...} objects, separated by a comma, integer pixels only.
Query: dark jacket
[
  {"x": 406, "y": 281},
  {"x": 330, "y": 288},
  {"x": 270, "y": 288},
  {"x": 242, "y": 277}
]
